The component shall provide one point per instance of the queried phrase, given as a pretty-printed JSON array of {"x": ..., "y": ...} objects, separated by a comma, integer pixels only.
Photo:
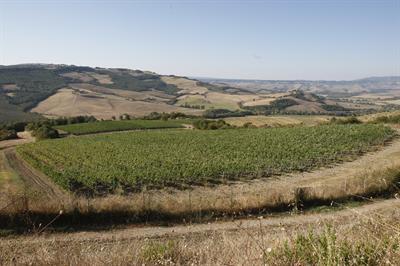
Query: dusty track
[
  {"x": 101, "y": 244},
  {"x": 23, "y": 137},
  {"x": 31, "y": 177}
]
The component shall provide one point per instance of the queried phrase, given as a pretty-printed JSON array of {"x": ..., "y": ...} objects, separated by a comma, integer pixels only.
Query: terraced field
[
  {"x": 109, "y": 126},
  {"x": 132, "y": 160}
]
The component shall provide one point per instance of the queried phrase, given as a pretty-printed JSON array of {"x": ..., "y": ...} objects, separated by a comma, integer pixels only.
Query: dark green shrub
[
  {"x": 8, "y": 134},
  {"x": 211, "y": 124}
]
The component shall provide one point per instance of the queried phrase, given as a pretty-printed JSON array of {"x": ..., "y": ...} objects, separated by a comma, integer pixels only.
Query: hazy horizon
[{"x": 261, "y": 40}]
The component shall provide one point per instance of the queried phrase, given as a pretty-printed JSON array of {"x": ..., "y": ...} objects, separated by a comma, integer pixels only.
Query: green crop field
[
  {"x": 159, "y": 158},
  {"x": 109, "y": 126}
]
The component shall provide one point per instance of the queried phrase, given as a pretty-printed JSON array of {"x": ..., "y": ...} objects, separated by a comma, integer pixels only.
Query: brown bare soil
[
  {"x": 186, "y": 86},
  {"x": 278, "y": 120},
  {"x": 69, "y": 102},
  {"x": 23, "y": 137}
]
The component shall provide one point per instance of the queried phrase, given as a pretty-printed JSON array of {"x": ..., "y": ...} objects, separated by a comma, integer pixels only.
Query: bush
[
  {"x": 248, "y": 125},
  {"x": 42, "y": 130},
  {"x": 8, "y": 134},
  {"x": 221, "y": 113},
  {"x": 166, "y": 116},
  {"x": 71, "y": 120},
  {"x": 392, "y": 119},
  {"x": 345, "y": 121},
  {"x": 211, "y": 124}
]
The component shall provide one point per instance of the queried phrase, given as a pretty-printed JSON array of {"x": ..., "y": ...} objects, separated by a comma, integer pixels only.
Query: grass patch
[{"x": 330, "y": 248}]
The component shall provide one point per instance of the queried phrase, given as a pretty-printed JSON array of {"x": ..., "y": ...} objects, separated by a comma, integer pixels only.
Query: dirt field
[
  {"x": 150, "y": 96},
  {"x": 219, "y": 100},
  {"x": 305, "y": 106},
  {"x": 69, "y": 102},
  {"x": 278, "y": 120},
  {"x": 187, "y": 86}
]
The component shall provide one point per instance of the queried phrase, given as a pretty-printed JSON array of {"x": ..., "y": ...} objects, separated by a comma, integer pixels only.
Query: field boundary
[{"x": 33, "y": 178}]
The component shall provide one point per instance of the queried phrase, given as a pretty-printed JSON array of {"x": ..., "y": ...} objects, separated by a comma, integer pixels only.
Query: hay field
[
  {"x": 219, "y": 100},
  {"x": 186, "y": 86},
  {"x": 278, "y": 120},
  {"x": 69, "y": 102}
]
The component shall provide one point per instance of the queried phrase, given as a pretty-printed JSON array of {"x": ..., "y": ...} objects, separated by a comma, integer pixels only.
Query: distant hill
[
  {"x": 68, "y": 90},
  {"x": 329, "y": 88},
  {"x": 30, "y": 91}
]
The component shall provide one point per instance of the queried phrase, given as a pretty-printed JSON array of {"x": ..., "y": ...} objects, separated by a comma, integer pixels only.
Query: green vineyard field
[
  {"x": 109, "y": 126},
  {"x": 132, "y": 160}
]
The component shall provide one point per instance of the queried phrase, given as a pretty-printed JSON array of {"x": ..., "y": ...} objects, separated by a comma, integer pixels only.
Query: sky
[{"x": 310, "y": 39}]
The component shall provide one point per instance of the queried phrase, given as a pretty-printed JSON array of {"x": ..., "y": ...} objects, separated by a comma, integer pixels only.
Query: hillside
[
  {"x": 326, "y": 87},
  {"x": 30, "y": 90},
  {"x": 63, "y": 90}
]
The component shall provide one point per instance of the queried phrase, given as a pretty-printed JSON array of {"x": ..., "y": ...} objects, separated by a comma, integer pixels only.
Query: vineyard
[
  {"x": 109, "y": 126},
  {"x": 132, "y": 160}
]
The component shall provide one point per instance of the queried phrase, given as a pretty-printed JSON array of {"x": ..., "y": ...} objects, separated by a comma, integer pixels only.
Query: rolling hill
[{"x": 32, "y": 90}]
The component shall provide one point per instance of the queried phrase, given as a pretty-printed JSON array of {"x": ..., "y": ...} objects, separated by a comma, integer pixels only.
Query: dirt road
[
  {"x": 23, "y": 137},
  {"x": 32, "y": 177},
  {"x": 216, "y": 242}
]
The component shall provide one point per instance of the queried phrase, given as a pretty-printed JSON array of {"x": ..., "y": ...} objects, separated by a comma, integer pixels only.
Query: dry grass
[
  {"x": 372, "y": 117},
  {"x": 278, "y": 120},
  {"x": 68, "y": 102},
  {"x": 359, "y": 239},
  {"x": 186, "y": 86},
  {"x": 263, "y": 101},
  {"x": 372, "y": 174}
]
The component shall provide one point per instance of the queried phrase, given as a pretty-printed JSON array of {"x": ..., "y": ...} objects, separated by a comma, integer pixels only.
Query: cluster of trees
[
  {"x": 9, "y": 130},
  {"x": 70, "y": 120},
  {"x": 34, "y": 85},
  {"x": 274, "y": 107},
  {"x": 211, "y": 124},
  {"x": 222, "y": 113},
  {"x": 193, "y": 106},
  {"x": 345, "y": 121},
  {"x": 8, "y": 134},
  {"x": 140, "y": 82},
  {"x": 42, "y": 130},
  {"x": 167, "y": 116},
  {"x": 334, "y": 108}
]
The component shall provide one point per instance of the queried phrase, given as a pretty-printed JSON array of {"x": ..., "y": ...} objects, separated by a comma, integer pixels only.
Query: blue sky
[{"x": 227, "y": 39}]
